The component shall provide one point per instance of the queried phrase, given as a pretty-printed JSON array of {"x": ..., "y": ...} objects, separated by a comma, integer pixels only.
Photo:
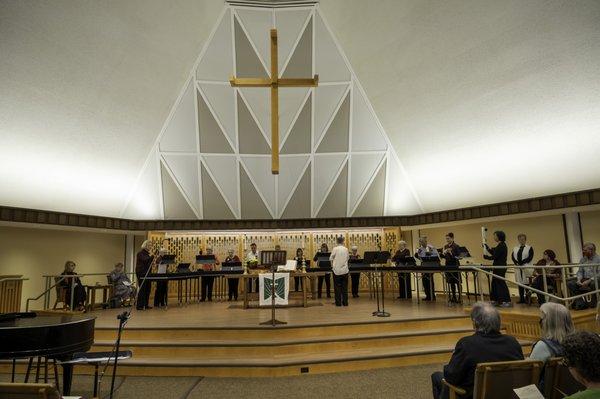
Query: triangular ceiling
[{"x": 332, "y": 146}]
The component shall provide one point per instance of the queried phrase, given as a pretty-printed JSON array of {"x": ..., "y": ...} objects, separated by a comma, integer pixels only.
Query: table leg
[
  {"x": 67, "y": 378},
  {"x": 304, "y": 296}
]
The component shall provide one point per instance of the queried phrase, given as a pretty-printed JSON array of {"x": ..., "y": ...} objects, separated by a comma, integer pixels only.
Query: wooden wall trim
[{"x": 552, "y": 202}]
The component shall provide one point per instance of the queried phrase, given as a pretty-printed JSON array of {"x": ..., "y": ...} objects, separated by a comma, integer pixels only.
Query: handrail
[
  {"x": 81, "y": 275},
  {"x": 42, "y": 294}
]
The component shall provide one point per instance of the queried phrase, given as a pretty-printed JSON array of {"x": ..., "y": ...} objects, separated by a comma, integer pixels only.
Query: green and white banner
[{"x": 282, "y": 288}]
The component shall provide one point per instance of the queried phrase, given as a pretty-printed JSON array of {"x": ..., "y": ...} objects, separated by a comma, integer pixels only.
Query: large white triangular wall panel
[
  {"x": 180, "y": 132},
  {"x": 230, "y": 129},
  {"x": 291, "y": 169},
  {"x": 224, "y": 172},
  {"x": 257, "y": 23},
  {"x": 217, "y": 62},
  {"x": 259, "y": 171},
  {"x": 222, "y": 102},
  {"x": 366, "y": 134},
  {"x": 363, "y": 168},
  {"x": 289, "y": 24},
  {"x": 327, "y": 101},
  {"x": 185, "y": 170},
  {"x": 326, "y": 169}
]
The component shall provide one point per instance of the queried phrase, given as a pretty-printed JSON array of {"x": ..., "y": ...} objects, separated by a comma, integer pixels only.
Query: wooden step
[
  {"x": 194, "y": 333},
  {"x": 239, "y": 347}
]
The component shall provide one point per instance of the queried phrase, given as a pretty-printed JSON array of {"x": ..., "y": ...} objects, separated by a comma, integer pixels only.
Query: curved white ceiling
[{"x": 484, "y": 101}]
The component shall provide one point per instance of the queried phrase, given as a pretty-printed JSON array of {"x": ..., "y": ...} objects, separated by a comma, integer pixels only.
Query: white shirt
[
  {"x": 252, "y": 256},
  {"x": 339, "y": 260}
]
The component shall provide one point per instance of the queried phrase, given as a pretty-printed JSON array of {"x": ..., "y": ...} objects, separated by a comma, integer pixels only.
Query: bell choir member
[
  {"x": 549, "y": 259},
  {"x": 339, "y": 266},
  {"x": 451, "y": 254},
  {"x": 522, "y": 255},
  {"x": 161, "y": 292},
  {"x": 253, "y": 257},
  {"x": 327, "y": 277},
  {"x": 425, "y": 251},
  {"x": 355, "y": 277},
  {"x": 232, "y": 283},
  {"x": 143, "y": 264},
  {"x": 400, "y": 258},
  {"x": 499, "y": 294},
  {"x": 298, "y": 258},
  {"x": 208, "y": 281},
  {"x": 73, "y": 284}
]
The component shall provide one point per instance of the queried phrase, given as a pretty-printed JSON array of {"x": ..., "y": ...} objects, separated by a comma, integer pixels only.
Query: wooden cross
[{"x": 274, "y": 83}]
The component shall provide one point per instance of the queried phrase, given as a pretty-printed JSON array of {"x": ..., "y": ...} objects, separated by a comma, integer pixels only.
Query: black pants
[
  {"x": 232, "y": 288},
  {"x": 499, "y": 292},
  {"x": 538, "y": 283},
  {"x": 207, "y": 287},
  {"x": 355, "y": 279},
  {"x": 340, "y": 289},
  {"x": 79, "y": 296},
  {"x": 453, "y": 279},
  {"x": 297, "y": 284},
  {"x": 161, "y": 293},
  {"x": 575, "y": 289},
  {"x": 327, "y": 279},
  {"x": 404, "y": 286},
  {"x": 440, "y": 391},
  {"x": 144, "y": 293},
  {"x": 521, "y": 294},
  {"x": 429, "y": 286}
]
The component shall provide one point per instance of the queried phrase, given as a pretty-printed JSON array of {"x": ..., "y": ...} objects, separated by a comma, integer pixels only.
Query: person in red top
[
  {"x": 549, "y": 259},
  {"x": 232, "y": 283}
]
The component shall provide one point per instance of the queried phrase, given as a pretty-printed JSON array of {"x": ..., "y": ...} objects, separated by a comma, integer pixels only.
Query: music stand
[
  {"x": 274, "y": 259},
  {"x": 231, "y": 266},
  {"x": 377, "y": 258}
]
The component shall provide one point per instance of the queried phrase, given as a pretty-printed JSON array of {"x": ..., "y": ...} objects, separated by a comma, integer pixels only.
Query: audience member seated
[
  {"x": 582, "y": 356},
  {"x": 556, "y": 324},
  {"x": 122, "y": 288},
  {"x": 549, "y": 259},
  {"x": 584, "y": 282},
  {"x": 486, "y": 345},
  {"x": 78, "y": 289}
]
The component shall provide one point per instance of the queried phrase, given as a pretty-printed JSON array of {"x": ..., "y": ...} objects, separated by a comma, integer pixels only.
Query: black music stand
[
  {"x": 276, "y": 258},
  {"x": 232, "y": 266},
  {"x": 377, "y": 258}
]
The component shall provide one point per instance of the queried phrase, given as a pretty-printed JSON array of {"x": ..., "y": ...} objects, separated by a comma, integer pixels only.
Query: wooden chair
[
  {"x": 497, "y": 380},
  {"x": 558, "y": 381},
  {"x": 61, "y": 294},
  {"x": 28, "y": 391}
]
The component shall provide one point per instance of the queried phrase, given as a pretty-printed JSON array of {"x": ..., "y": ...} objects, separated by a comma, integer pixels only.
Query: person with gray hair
[
  {"x": 556, "y": 324},
  {"x": 488, "y": 344},
  {"x": 584, "y": 282}
]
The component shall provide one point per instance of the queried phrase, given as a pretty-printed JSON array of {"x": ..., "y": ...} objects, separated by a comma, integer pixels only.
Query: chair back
[
  {"x": 28, "y": 391},
  {"x": 498, "y": 379},
  {"x": 61, "y": 293},
  {"x": 558, "y": 381}
]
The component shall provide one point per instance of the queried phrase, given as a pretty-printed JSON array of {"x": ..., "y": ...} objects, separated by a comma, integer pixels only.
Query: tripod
[{"x": 380, "y": 312}]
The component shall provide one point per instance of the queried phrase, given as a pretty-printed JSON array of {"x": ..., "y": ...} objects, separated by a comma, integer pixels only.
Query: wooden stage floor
[{"x": 231, "y": 314}]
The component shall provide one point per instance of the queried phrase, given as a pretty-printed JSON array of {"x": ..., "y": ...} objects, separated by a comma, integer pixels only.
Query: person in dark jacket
[
  {"x": 73, "y": 284},
  {"x": 451, "y": 253},
  {"x": 143, "y": 264},
  {"x": 488, "y": 344},
  {"x": 499, "y": 294}
]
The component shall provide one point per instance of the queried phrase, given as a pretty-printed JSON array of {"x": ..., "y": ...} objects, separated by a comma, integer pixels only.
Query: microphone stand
[{"x": 123, "y": 318}]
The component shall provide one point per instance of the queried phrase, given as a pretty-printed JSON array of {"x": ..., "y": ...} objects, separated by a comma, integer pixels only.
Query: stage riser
[
  {"x": 283, "y": 333},
  {"x": 243, "y": 351}
]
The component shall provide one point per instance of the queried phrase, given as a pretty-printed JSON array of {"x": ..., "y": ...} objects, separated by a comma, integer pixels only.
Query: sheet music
[
  {"x": 529, "y": 392},
  {"x": 126, "y": 283}
]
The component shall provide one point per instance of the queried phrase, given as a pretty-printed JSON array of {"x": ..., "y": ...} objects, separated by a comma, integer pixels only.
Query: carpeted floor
[{"x": 398, "y": 383}]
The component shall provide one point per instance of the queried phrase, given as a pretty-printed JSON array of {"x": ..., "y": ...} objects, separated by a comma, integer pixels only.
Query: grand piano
[{"x": 52, "y": 336}]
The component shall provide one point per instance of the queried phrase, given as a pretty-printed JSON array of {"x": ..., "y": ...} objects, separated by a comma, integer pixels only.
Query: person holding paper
[
  {"x": 143, "y": 264},
  {"x": 499, "y": 294},
  {"x": 451, "y": 253},
  {"x": 339, "y": 265}
]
